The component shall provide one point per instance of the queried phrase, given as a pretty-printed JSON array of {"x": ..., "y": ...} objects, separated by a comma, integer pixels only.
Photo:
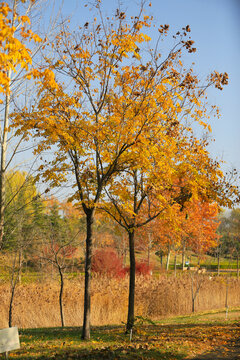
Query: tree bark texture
[
  {"x": 88, "y": 260},
  {"x": 61, "y": 295},
  {"x": 175, "y": 265},
  {"x": 168, "y": 258},
  {"x": 218, "y": 269},
  {"x": 183, "y": 256},
  {"x": 238, "y": 266},
  {"x": 130, "y": 319}
]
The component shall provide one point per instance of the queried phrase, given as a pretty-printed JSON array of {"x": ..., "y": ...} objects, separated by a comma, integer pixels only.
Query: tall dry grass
[{"x": 36, "y": 304}]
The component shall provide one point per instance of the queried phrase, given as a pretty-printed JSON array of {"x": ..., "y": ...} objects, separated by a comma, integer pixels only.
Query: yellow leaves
[
  {"x": 49, "y": 76},
  {"x": 22, "y": 185},
  {"x": 146, "y": 37},
  {"x": 46, "y": 78},
  {"x": 13, "y": 51},
  {"x": 24, "y": 19},
  {"x": 36, "y": 38},
  {"x": 178, "y": 108},
  {"x": 82, "y": 54},
  {"x": 4, "y": 9},
  {"x": 127, "y": 42},
  {"x": 4, "y": 81},
  {"x": 114, "y": 103}
]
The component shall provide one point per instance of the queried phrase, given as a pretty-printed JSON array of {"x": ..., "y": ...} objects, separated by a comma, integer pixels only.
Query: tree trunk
[
  {"x": 148, "y": 256},
  {"x": 11, "y": 304},
  {"x": 183, "y": 255},
  {"x": 193, "y": 297},
  {"x": 168, "y": 258},
  {"x": 130, "y": 319},
  {"x": 238, "y": 266},
  {"x": 125, "y": 257},
  {"x": 20, "y": 263},
  {"x": 149, "y": 247},
  {"x": 218, "y": 269},
  {"x": 88, "y": 260},
  {"x": 3, "y": 164},
  {"x": 199, "y": 260},
  {"x": 226, "y": 297},
  {"x": 197, "y": 288},
  {"x": 14, "y": 280},
  {"x": 175, "y": 265},
  {"x": 61, "y": 295},
  {"x": 193, "y": 305}
]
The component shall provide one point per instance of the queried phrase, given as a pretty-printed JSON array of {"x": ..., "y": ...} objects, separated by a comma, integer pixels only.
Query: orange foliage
[{"x": 194, "y": 227}]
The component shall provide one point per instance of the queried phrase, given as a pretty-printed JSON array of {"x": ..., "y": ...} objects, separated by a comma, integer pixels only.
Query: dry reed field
[{"x": 36, "y": 304}]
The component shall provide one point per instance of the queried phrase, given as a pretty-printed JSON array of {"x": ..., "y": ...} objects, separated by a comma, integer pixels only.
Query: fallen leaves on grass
[{"x": 166, "y": 342}]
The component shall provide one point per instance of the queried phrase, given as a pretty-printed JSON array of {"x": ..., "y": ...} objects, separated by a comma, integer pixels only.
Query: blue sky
[{"x": 215, "y": 26}]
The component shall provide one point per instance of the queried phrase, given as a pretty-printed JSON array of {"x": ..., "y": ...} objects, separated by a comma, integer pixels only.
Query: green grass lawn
[{"x": 171, "y": 339}]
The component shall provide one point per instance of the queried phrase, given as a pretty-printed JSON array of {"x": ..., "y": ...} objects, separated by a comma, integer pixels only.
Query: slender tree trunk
[
  {"x": 238, "y": 266},
  {"x": 193, "y": 296},
  {"x": 175, "y": 265},
  {"x": 88, "y": 260},
  {"x": 168, "y": 258},
  {"x": 149, "y": 247},
  {"x": 14, "y": 280},
  {"x": 11, "y": 304},
  {"x": 197, "y": 289},
  {"x": 193, "y": 305},
  {"x": 20, "y": 262},
  {"x": 61, "y": 295},
  {"x": 148, "y": 256},
  {"x": 183, "y": 255},
  {"x": 3, "y": 164},
  {"x": 226, "y": 297},
  {"x": 218, "y": 269},
  {"x": 130, "y": 319},
  {"x": 125, "y": 257}
]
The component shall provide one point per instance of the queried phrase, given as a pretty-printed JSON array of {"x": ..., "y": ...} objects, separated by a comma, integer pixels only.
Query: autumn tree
[
  {"x": 128, "y": 195},
  {"x": 161, "y": 184},
  {"x": 116, "y": 102},
  {"x": 193, "y": 228},
  {"x": 200, "y": 227},
  {"x": 166, "y": 232},
  {"x": 57, "y": 252}
]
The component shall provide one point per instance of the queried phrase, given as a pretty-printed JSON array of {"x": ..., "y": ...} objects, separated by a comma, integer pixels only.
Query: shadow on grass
[
  {"x": 166, "y": 342},
  {"x": 45, "y": 334},
  {"x": 110, "y": 353},
  {"x": 107, "y": 342}
]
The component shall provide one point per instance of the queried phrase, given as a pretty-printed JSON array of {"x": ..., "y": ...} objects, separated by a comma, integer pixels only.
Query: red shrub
[
  {"x": 106, "y": 261},
  {"x": 142, "y": 268}
]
